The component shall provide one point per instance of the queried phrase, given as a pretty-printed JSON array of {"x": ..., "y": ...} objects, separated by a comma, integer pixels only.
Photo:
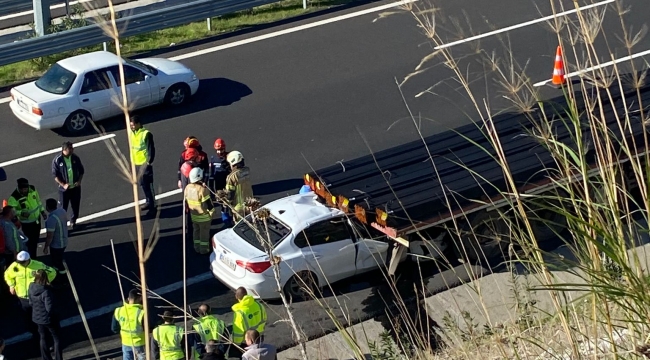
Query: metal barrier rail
[{"x": 131, "y": 25}]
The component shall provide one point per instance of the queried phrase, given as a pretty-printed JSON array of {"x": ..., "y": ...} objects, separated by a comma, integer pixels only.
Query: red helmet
[
  {"x": 191, "y": 142},
  {"x": 186, "y": 168},
  {"x": 219, "y": 144},
  {"x": 190, "y": 154}
]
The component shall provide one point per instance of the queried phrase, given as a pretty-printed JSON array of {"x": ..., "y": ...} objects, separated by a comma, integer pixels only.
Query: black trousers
[
  {"x": 33, "y": 233},
  {"x": 146, "y": 182},
  {"x": 27, "y": 314},
  {"x": 54, "y": 329},
  {"x": 57, "y": 259},
  {"x": 72, "y": 197}
]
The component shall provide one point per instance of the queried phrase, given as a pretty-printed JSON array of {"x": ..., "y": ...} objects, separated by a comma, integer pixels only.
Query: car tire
[
  {"x": 77, "y": 122},
  {"x": 301, "y": 286},
  {"x": 177, "y": 95}
]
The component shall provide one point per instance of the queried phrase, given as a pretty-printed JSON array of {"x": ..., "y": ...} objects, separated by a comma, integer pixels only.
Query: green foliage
[{"x": 385, "y": 350}]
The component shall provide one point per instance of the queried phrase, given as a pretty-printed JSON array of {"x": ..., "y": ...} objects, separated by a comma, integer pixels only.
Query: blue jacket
[{"x": 60, "y": 170}]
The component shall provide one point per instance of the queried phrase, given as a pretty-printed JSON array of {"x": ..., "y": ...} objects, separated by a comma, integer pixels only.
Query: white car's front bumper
[
  {"x": 257, "y": 285},
  {"x": 36, "y": 121}
]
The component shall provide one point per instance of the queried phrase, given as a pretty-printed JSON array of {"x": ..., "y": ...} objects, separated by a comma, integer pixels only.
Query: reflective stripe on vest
[
  {"x": 169, "y": 341},
  {"x": 209, "y": 328},
  {"x": 131, "y": 330},
  {"x": 247, "y": 326},
  {"x": 139, "y": 146}
]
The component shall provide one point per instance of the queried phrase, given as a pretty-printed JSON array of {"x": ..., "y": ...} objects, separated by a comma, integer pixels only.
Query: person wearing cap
[
  {"x": 143, "y": 153},
  {"x": 168, "y": 340},
  {"x": 199, "y": 203},
  {"x": 29, "y": 210},
  {"x": 19, "y": 275},
  {"x": 128, "y": 321},
  {"x": 57, "y": 234},
  {"x": 68, "y": 171}
]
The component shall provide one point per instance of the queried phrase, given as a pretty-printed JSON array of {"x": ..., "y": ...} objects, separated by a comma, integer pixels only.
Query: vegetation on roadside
[{"x": 29, "y": 69}]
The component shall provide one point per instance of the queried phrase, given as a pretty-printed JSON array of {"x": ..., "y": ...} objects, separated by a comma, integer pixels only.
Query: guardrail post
[
  {"x": 304, "y": 4},
  {"x": 209, "y": 24},
  {"x": 41, "y": 16}
]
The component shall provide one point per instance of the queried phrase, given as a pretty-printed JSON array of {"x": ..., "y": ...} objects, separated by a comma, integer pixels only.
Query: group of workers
[{"x": 222, "y": 180}]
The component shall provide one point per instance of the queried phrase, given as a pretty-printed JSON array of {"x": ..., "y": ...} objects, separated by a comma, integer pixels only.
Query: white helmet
[
  {"x": 196, "y": 175},
  {"x": 234, "y": 158}
]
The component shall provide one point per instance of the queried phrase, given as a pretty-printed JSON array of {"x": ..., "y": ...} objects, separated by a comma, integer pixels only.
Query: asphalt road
[{"x": 304, "y": 99}]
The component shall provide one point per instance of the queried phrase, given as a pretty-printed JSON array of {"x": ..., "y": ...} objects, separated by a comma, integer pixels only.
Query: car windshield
[
  {"x": 277, "y": 231},
  {"x": 141, "y": 66},
  {"x": 57, "y": 80}
]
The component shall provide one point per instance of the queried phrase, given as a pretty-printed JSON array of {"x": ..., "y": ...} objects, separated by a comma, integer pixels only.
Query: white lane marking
[
  {"x": 110, "y": 308},
  {"x": 54, "y": 151},
  {"x": 599, "y": 66},
  {"x": 291, "y": 30},
  {"x": 121, "y": 208},
  {"x": 524, "y": 24},
  {"x": 27, "y": 12},
  {"x": 5, "y": 100}
]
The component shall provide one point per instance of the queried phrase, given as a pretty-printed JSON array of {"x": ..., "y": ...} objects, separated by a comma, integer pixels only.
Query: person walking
[
  {"x": 256, "y": 349},
  {"x": 44, "y": 314},
  {"x": 248, "y": 314},
  {"x": 57, "y": 234},
  {"x": 18, "y": 276},
  {"x": 68, "y": 171},
  {"x": 201, "y": 208},
  {"x": 208, "y": 327},
  {"x": 168, "y": 340},
  {"x": 128, "y": 321},
  {"x": 143, "y": 153},
  {"x": 238, "y": 186},
  {"x": 14, "y": 242},
  {"x": 29, "y": 209}
]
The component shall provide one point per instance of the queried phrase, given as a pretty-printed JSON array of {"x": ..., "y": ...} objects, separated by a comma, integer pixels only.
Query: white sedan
[
  {"x": 88, "y": 87},
  {"x": 313, "y": 243}
]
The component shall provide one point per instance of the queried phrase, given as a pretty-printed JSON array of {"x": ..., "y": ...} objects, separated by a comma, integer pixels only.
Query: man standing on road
[
  {"x": 238, "y": 185},
  {"x": 19, "y": 276},
  {"x": 57, "y": 234},
  {"x": 208, "y": 327},
  {"x": 168, "y": 340},
  {"x": 256, "y": 349},
  {"x": 13, "y": 240},
  {"x": 128, "y": 321},
  {"x": 27, "y": 203},
  {"x": 248, "y": 314},
  {"x": 193, "y": 153},
  {"x": 219, "y": 171},
  {"x": 199, "y": 203},
  {"x": 143, "y": 152},
  {"x": 68, "y": 171}
]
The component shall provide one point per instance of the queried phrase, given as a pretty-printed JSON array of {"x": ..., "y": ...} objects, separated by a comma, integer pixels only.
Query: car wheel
[
  {"x": 77, "y": 121},
  {"x": 301, "y": 286},
  {"x": 177, "y": 95}
]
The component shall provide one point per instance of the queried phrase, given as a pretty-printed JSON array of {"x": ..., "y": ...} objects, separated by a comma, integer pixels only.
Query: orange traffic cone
[{"x": 558, "y": 69}]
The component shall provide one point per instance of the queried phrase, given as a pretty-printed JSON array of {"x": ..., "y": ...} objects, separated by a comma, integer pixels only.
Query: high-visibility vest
[
  {"x": 20, "y": 277},
  {"x": 139, "y": 146},
  {"x": 249, "y": 314},
  {"x": 30, "y": 203},
  {"x": 195, "y": 195},
  {"x": 131, "y": 317},
  {"x": 210, "y": 328},
  {"x": 169, "y": 338}
]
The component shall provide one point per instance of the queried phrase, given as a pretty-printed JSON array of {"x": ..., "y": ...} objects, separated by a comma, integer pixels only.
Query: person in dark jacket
[
  {"x": 44, "y": 314},
  {"x": 212, "y": 351},
  {"x": 68, "y": 171},
  {"x": 193, "y": 153}
]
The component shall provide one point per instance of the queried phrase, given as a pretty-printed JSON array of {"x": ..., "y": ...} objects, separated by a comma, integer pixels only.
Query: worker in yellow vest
[
  {"x": 199, "y": 203},
  {"x": 18, "y": 276},
  {"x": 208, "y": 327},
  {"x": 168, "y": 340},
  {"x": 29, "y": 210},
  {"x": 128, "y": 321},
  {"x": 143, "y": 152},
  {"x": 248, "y": 314}
]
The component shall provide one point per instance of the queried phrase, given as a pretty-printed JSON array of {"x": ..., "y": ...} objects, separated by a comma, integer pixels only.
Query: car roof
[
  {"x": 89, "y": 61},
  {"x": 296, "y": 211}
]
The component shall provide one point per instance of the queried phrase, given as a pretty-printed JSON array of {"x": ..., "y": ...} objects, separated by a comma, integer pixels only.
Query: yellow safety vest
[
  {"x": 20, "y": 277},
  {"x": 30, "y": 203},
  {"x": 195, "y": 195},
  {"x": 139, "y": 146},
  {"x": 131, "y": 317},
  {"x": 210, "y": 328},
  {"x": 169, "y": 338},
  {"x": 249, "y": 314}
]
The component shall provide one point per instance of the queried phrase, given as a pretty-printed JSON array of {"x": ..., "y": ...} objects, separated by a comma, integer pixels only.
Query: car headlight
[{"x": 194, "y": 78}]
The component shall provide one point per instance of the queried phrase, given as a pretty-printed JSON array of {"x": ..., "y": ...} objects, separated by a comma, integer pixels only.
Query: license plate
[
  {"x": 22, "y": 104},
  {"x": 226, "y": 260}
]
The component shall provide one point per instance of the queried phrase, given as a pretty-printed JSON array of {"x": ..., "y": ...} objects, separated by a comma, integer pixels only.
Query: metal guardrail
[{"x": 129, "y": 26}]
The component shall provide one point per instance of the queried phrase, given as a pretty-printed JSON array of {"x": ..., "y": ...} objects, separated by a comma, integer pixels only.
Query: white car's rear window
[
  {"x": 57, "y": 80},
  {"x": 251, "y": 233}
]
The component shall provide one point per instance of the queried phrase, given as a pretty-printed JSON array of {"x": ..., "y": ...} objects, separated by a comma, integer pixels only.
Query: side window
[
  {"x": 324, "y": 232},
  {"x": 95, "y": 81},
  {"x": 131, "y": 74}
]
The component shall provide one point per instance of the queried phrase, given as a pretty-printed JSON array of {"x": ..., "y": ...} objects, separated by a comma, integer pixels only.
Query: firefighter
[
  {"x": 238, "y": 185},
  {"x": 219, "y": 166},
  {"x": 193, "y": 153},
  {"x": 201, "y": 208}
]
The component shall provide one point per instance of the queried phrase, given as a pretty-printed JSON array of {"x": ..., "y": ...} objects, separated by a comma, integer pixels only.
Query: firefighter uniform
[
  {"x": 199, "y": 202},
  {"x": 239, "y": 188},
  {"x": 169, "y": 338},
  {"x": 248, "y": 314}
]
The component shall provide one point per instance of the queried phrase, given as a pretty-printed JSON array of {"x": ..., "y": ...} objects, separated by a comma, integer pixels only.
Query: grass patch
[{"x": 24, "y": 70}]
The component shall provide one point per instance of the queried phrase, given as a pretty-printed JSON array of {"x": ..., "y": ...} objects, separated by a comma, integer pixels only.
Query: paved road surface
[{"x": 288, "y": 102}]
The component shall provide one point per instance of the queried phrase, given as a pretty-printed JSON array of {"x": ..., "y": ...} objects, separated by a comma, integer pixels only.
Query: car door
[
  {"x": 96, "y": 95},
  {"x": 328, "y": 249},
  {"x": 138, "y": 86},
  {"x": 371, "y": 246}
]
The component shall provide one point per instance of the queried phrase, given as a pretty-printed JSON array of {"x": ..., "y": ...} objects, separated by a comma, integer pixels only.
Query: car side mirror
[{"x": 147, "y": 77}]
